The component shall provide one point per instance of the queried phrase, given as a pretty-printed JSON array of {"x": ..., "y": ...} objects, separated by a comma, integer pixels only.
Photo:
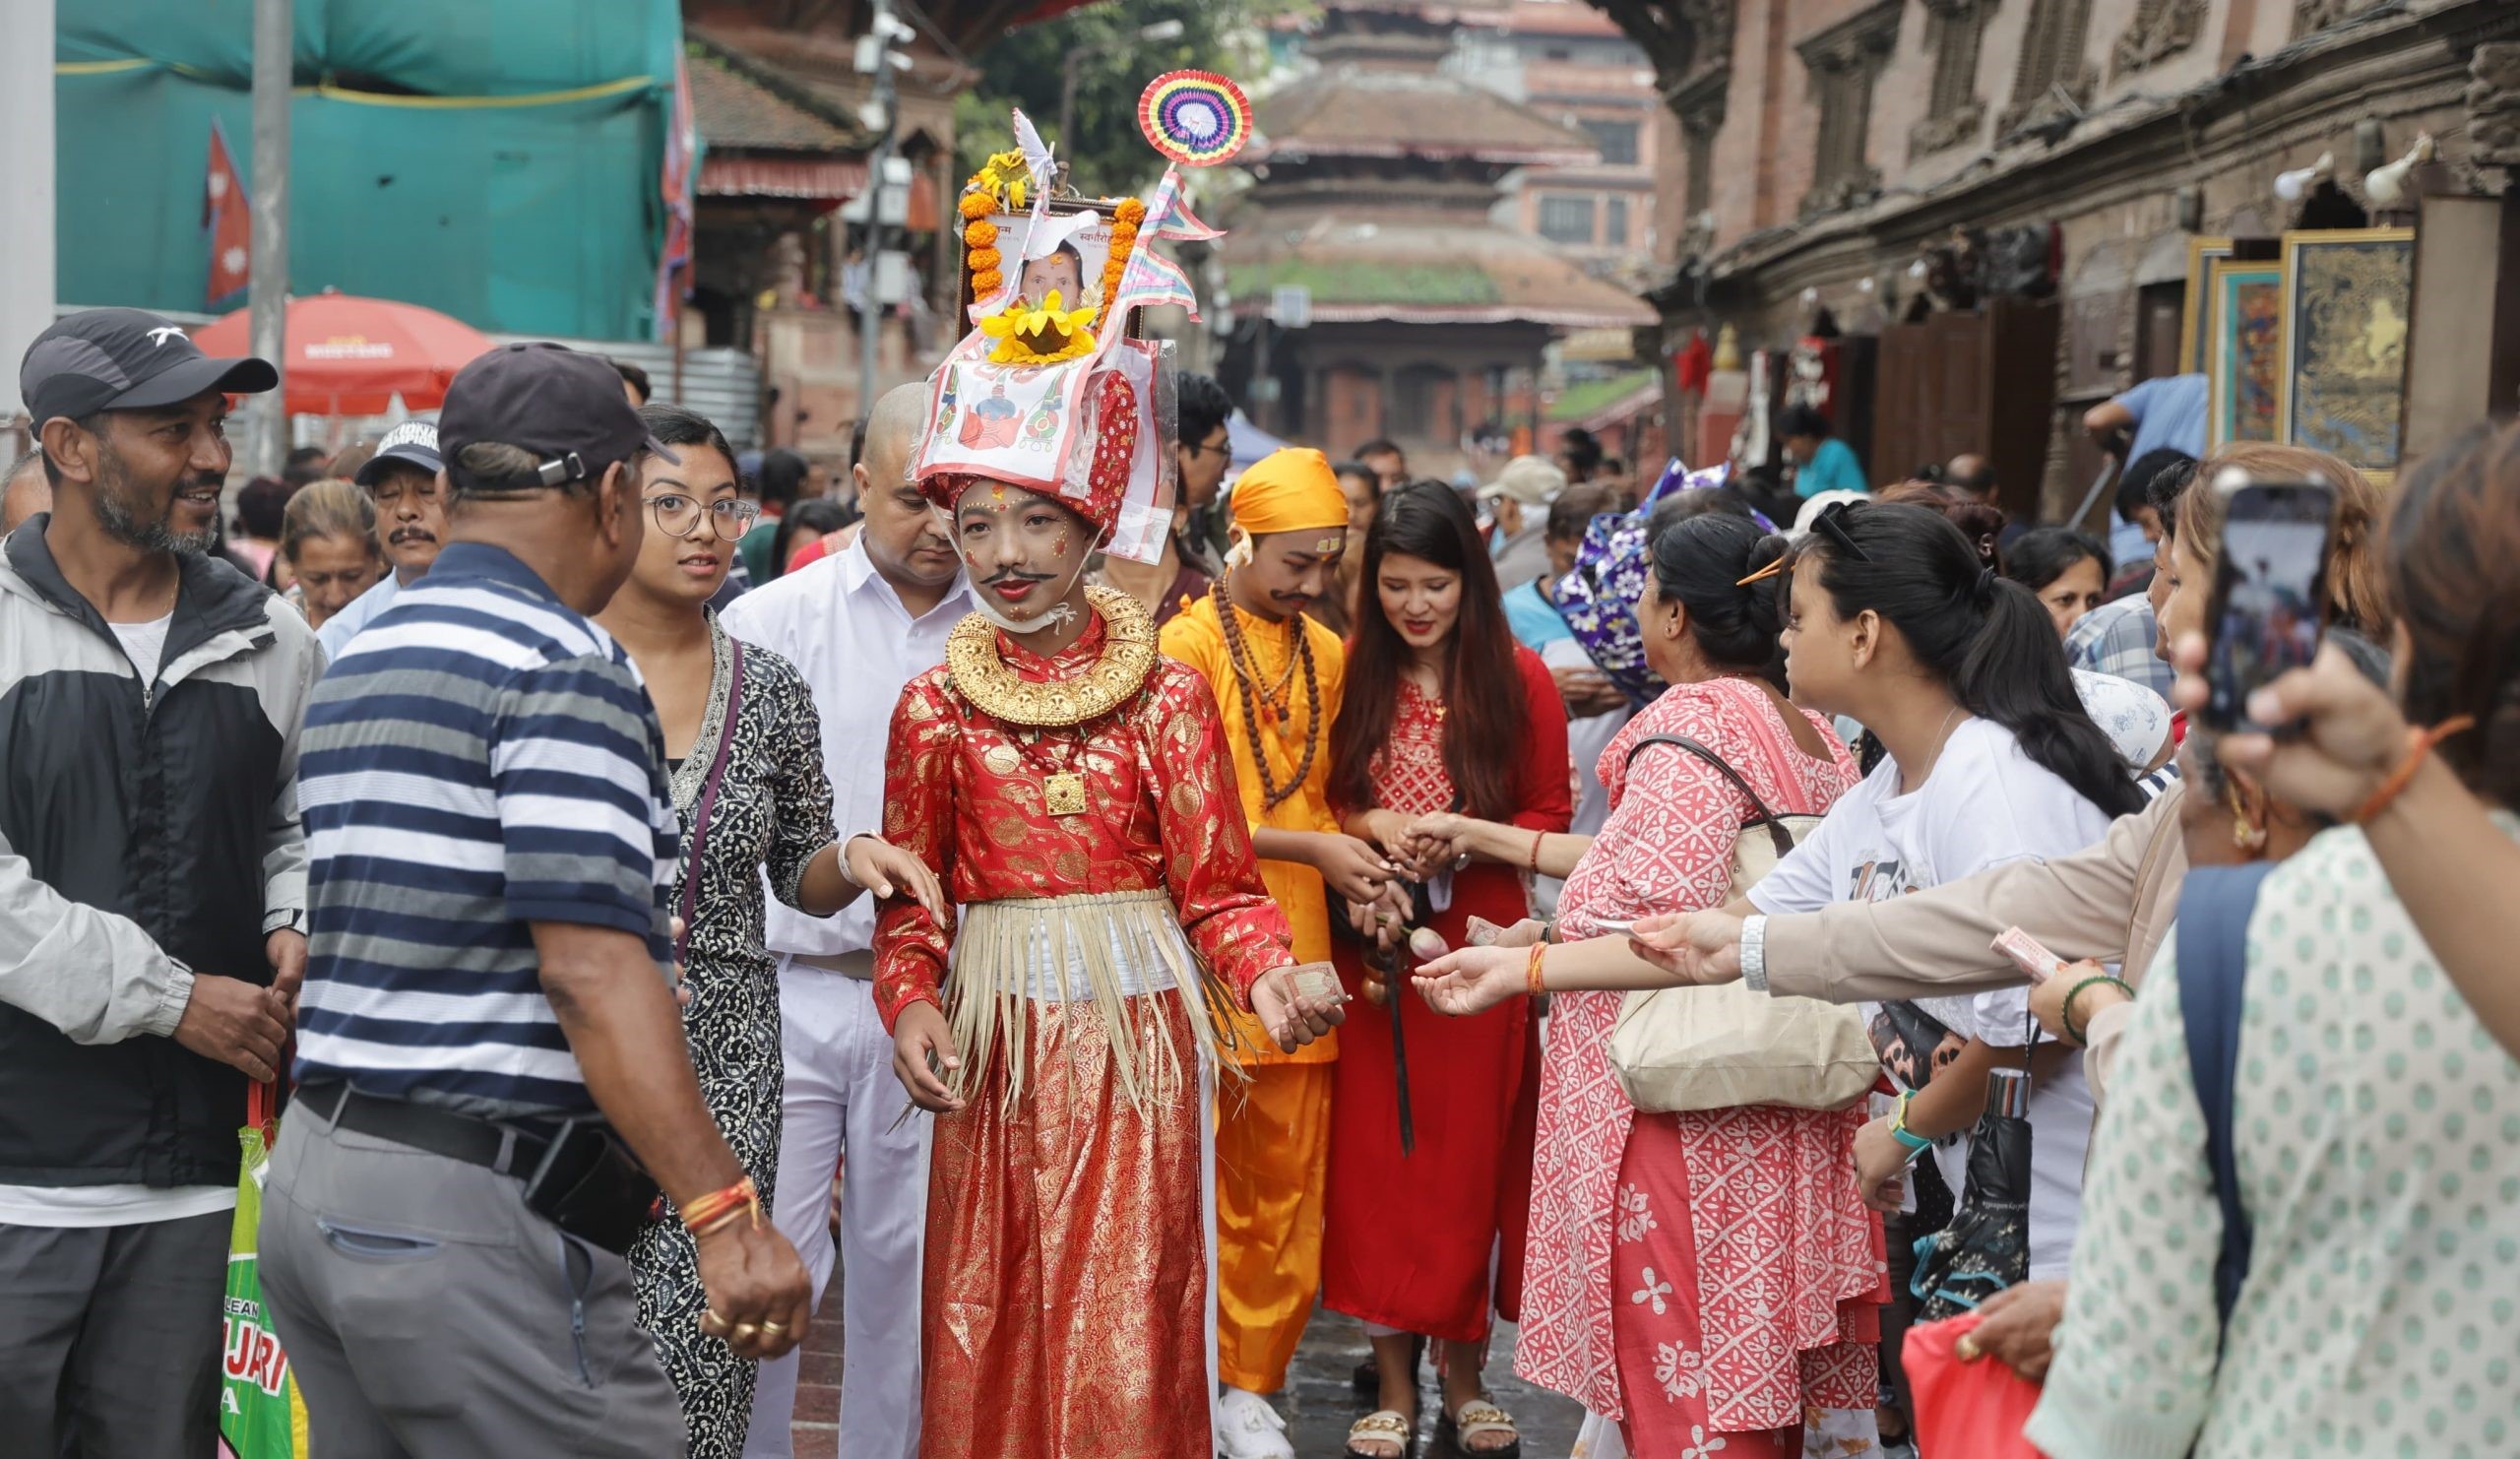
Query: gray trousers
[
  {"x": 110, "y": 1338},
  {"x": 428, "y": 1314}
]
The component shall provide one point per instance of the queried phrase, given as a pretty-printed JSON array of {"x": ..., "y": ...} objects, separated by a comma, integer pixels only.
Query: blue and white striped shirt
[{"x": 480, "y": 758}]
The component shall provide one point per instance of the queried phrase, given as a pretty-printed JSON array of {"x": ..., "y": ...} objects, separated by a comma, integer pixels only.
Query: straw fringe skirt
[{"x": 1070, "y": 1258}]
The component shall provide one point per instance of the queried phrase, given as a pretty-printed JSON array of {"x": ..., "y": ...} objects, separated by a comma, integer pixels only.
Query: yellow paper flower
[{"x": 1043, "y": 335}]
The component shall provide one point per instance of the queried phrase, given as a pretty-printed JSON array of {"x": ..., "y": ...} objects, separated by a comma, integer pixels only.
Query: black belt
[{"x": 504, "y": 1147}]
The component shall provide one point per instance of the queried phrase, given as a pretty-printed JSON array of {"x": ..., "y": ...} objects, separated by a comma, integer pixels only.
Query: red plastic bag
[{"x": 1965, "y": 1410}]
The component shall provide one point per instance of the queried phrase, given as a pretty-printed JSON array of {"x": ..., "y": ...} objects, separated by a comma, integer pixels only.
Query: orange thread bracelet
[
  {"x": 713, "y": 1211},
  {"x": 2419, "y": 743},
  {"x": 1536, "y": 838},
  {"x": 1531, "y": 970}
]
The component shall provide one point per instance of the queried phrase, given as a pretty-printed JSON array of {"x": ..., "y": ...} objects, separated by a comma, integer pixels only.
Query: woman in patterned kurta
[
  {"x": 770, "y": 811},
  {"x": 1438, "y": 694},
  {"x": 1704, "y": 1276}
]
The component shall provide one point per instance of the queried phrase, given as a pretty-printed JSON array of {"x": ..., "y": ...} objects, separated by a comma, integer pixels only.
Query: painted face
[
  {"x": 331, "y": 570},
  {"x": 1421, "y": 599},
  {"x": 1819, "y": 652},
  {"x": 1058, "y": 272},
  {"x": 1023, "y": 548},
  {"x": 694, "y": 518},
  {"x": 411, "y": 517},
  {"x": 2075, "y": 591},
  {"x": 160, "y": 471},
  {"x": 1289, "y": 570}
]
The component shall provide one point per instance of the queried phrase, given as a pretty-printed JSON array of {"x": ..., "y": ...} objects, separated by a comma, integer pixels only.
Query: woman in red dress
[
  {"x": 1443, "y": 713},
  {"x": 1709, "y": 1280}
]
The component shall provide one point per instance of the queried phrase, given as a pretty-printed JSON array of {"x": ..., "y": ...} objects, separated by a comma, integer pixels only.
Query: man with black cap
[
  {"x": 489, "y": 1051},
  {"x": 153, "y": 884},
  {"x": 402, "y": 478}
]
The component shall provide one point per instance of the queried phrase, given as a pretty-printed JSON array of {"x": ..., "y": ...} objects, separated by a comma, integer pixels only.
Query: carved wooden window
[
  {"x": 1699, "y": 105},
  {"x": 1953, "y": 113},
  {"x": 1566, "y": 218},
  {"x": 1699, "y": 145},
  {"x": 2052, "y": 70},
  {"x": 1844, "y": 61}
]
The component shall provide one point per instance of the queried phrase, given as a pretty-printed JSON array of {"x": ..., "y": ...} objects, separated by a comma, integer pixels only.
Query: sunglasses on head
[{"x": 1831, "y": 524}]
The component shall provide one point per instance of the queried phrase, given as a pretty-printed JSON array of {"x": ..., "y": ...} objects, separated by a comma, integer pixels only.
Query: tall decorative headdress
[{"x": 1047, "y": 392}]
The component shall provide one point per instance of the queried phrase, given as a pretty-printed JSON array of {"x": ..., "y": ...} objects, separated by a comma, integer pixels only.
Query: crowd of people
[{"x": 657, "y": 883}]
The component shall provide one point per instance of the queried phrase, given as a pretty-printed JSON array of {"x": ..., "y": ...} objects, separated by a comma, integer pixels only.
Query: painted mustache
[{"x": 1015, "y": 575}]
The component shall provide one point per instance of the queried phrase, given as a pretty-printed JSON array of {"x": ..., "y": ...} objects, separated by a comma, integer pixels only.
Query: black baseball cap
[
  {"x": 414, "y": 442},
  {"x": 126, "y": 359},
  {"x": 565, "y": 408}
]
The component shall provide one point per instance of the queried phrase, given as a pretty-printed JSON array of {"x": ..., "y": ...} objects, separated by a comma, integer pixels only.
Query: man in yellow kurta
[{"x": 1277, "y": 677}]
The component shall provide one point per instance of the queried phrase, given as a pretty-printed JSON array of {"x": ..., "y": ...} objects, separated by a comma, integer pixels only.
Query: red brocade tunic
[
  {"x": 1411, "y": 1238},
  {"x": 1065, "y": 1275}
]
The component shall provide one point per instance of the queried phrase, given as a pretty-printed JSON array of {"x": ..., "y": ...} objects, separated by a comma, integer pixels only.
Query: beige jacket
[{"x": 2114, "y": 902}]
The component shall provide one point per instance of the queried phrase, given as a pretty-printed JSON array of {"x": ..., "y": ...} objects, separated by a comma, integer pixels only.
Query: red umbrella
[{"x": 349, "y": 356}]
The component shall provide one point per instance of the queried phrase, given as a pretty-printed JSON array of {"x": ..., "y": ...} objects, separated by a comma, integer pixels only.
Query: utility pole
[
  {"x": 267, "y": 292},
  {"x": 876, "y": 58},
  {"x": 27, "y": 180}
]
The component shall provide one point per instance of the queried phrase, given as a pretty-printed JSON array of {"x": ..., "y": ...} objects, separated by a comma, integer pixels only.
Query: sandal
[
  {"x": 1383, "y": 1427},
  {"x": 1475, "y": 1420}
]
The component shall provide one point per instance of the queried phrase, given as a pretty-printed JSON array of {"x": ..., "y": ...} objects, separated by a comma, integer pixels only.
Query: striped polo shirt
[{"x": 480, "y": 758}]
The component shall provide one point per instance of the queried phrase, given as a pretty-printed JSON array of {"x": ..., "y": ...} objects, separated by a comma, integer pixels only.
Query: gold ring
[
  {"x": 1966, "y": 1349},
  {"x": 743, "y": 1332},
  {"x": 774, "y": 1329},
  {"x": 708, "y": 1315}
]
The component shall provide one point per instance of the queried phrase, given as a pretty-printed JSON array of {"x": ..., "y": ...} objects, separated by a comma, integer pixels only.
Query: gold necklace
[{"x": 980, "y": 673}]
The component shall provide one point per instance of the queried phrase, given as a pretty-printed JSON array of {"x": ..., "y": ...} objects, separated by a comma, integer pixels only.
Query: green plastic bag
[{"x": 260, "y": 1415}]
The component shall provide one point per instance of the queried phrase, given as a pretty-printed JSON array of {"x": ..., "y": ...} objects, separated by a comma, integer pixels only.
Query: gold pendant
[{"x": 1063, "y": 793}]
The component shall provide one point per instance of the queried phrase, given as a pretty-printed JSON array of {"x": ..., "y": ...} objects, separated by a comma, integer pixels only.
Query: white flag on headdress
[{"x": 1037, "y": 152}]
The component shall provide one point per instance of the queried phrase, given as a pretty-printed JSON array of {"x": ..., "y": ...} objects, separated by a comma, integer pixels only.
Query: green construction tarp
[{"x": 492, "y": 160}]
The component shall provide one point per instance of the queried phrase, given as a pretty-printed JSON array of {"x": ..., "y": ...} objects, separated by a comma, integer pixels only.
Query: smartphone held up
[{"x": 2269, "y": 604}]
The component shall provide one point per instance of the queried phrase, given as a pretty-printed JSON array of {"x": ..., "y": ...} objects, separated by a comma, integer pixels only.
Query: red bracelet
[
  {"x": 2419, "y": 743},
  {"x": 1532, "y": 979},
  {"x": 1536, "y": 838},
  {"x": 717, "y": 1208}
]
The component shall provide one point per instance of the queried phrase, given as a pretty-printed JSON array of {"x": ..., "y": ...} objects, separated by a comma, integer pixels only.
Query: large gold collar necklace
[{"x": 1128, "y": 656}]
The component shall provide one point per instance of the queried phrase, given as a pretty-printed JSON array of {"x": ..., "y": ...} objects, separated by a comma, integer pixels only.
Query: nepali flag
[{"x": 226, "y": 223}]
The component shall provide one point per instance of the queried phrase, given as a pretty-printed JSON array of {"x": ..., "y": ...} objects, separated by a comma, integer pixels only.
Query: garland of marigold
[
  {"x": 1125, "y": 239},
  {"x": 979, "y": 241}
]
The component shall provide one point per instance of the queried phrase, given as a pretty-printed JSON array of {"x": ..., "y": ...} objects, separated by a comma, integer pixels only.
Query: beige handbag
[{"x": 1682, "y": 1049}]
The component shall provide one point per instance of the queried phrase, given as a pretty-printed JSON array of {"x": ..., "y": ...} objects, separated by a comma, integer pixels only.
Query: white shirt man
[{"x": 860, "y": 625}]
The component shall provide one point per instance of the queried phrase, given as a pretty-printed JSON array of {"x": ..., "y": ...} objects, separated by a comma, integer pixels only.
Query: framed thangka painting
[
  {"x": 2245, "y": 358},
  {"x": 2348, "y": 296},
  {"x": 2196, "y": 310}
]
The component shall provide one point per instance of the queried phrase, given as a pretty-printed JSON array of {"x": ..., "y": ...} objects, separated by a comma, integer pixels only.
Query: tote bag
[{"x": 1681, "y": 1048}]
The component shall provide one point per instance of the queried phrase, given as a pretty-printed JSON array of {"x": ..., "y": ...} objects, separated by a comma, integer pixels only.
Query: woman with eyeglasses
[{"x": 743, "y": 753}]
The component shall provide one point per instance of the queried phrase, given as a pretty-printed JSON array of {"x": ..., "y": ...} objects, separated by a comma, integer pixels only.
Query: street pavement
[{"x": 1320, "y": 1402}]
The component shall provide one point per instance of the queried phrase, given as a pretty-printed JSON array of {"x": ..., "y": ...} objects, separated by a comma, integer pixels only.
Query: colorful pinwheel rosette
[{"x": 1197, "y": 118}]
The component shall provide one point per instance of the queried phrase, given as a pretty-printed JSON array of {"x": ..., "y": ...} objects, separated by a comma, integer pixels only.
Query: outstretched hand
[
  {"x": 1292, "y": 1016},
  {"x": 1697, "y": 947},
  {"x": 888, "y": 871},
  {"x": 1473, "y": 980}
]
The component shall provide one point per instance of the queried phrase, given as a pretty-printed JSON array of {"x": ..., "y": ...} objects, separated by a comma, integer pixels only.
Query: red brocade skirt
[{"x": 1066, "y": 1269}]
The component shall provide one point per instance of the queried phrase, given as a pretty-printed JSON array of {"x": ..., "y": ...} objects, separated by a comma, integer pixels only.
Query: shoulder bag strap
[
  {"x": 1761, "y": 815},
  {"x": 2214, "y": 908},
  {"x": 709, "y": 795}
]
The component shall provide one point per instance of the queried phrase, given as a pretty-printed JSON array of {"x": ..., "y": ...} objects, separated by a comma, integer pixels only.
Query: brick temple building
[
  {"x": 1829, "y": 147},
  {"x": 1373, "y": 294}
]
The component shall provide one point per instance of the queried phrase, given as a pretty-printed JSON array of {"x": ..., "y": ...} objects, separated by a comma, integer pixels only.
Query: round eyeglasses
[{"x": 676, "y": 515}]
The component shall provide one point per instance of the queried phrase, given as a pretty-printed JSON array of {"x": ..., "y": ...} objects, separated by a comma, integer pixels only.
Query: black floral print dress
[{"x": 771, "y": 813}]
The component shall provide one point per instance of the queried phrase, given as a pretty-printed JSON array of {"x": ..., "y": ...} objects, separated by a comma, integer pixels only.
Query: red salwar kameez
[
  {"x": 1711, "y": 1274},
  {"x": 1067, "y": 1304},
  {"x": 1411, "y": 1238}
]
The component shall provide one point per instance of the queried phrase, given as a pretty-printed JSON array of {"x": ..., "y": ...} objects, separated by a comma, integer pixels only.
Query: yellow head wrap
[{"x": 1291, "y": 489}]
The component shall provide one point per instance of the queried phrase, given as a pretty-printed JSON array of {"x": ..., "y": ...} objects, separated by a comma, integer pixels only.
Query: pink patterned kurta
[{"x": 1714, "y": 1299}]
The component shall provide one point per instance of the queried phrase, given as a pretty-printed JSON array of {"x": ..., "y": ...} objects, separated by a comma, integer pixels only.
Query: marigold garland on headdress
[{"x": 1125, "y": 240}]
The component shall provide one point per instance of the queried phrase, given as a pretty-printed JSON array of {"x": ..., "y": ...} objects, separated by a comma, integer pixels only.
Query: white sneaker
[{"x": 1248, "y": 1429}]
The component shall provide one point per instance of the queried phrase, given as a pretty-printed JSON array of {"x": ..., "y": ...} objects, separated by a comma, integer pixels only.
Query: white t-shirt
[
  {"x": 146, "y": 643},
  {"x": 116, "y": 1205},
  {"x": 1985, "y": 804}
]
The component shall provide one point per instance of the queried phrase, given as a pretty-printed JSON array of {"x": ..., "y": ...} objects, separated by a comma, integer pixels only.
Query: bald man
[
  {"x": 860, "y": 625},
  {"x": 24, "y": 492}
]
